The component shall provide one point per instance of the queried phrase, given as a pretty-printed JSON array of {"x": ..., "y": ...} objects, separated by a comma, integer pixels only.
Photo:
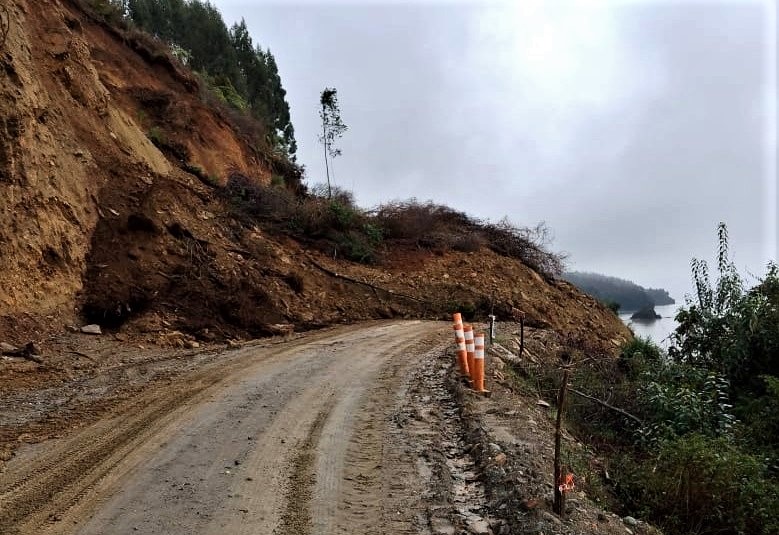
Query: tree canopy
[
  {"x": 628, "y": 295},
  {"x": 245, "y": 75}
]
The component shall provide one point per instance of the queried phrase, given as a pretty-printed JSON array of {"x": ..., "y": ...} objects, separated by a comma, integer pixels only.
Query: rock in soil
[{"x": 91, "y": 329}]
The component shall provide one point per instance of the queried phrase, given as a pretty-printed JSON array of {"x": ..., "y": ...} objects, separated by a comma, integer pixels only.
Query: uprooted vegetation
[
  {"x": 256, "y": 260},
  {"x": 336, "y": 225}
]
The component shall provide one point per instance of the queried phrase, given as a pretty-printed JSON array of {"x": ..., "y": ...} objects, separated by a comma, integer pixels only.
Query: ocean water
[{"x": 658, "y": 330}]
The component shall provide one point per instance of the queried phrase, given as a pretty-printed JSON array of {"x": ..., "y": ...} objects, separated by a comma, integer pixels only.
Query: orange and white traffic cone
[
  {"x": 478, "y": 363},
  {"x": 459, "y": 338},
  {"x": 468, "y": 330}
]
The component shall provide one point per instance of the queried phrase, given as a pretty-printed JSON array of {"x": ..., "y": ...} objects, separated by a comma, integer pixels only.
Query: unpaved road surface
[{"x": 300, "y": 437}]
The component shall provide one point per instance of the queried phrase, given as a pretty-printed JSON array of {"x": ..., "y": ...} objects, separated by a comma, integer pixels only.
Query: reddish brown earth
[{"x": 99, "y": 225}]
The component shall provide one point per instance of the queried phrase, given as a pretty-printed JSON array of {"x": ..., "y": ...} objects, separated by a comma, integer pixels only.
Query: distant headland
[{"x": 620, "y": 294}]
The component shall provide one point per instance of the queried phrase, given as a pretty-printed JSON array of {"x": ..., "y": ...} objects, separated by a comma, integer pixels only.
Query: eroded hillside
[{"x": 110, "y": 169}]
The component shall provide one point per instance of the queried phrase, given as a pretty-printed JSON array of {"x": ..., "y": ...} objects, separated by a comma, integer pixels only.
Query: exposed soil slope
[
  {"x": 76, "y": 105},
  {"x": 97, "y": 221}
]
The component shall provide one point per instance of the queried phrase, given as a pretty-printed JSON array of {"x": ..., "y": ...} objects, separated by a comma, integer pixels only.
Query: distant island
[
  {"x": 647, "y": 313},
  {"x": 619, "y": 294}
]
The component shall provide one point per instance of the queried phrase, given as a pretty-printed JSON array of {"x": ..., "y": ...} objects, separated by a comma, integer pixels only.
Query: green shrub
[
  {"x": 356, "y": 247},
  {"x": 374, "y": 233},
  {"x": 698, "y": 484},
  {"x": 344, "y": 216},
  {"x": 679, "y": 399},
  {"x": 638, "y": 354}
]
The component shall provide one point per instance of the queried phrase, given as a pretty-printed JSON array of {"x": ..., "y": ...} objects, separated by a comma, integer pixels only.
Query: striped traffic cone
[{"x": 459, "y": 337}]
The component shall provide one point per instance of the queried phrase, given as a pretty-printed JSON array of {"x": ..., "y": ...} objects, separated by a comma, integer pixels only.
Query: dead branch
[
  {"x": 611, "y": 407},
  {"x": 364, "y": 283},
  {"x": 80, "y": 354}
]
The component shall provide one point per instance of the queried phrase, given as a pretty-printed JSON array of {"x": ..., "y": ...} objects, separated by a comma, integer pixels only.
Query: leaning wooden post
[
  {"x": 559, "y": 493},
  {"x": 521, "y": 333}
]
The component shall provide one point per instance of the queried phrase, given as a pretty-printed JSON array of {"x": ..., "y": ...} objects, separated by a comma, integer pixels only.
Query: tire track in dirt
[
  {"x": 43, "y": 488},
  {"x": 296, "y": 519},
  {"x": 215, "y": 451}
]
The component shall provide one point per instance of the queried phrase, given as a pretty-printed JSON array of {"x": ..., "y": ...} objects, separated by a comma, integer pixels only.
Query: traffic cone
[
  {"x": 468, "y": 330},
  {"x": 459, "y": 337},
  {"x": 478, "y": 361}
]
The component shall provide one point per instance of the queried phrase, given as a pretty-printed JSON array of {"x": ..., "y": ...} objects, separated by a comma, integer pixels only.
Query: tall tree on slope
[{"x": 332, "y": 128}]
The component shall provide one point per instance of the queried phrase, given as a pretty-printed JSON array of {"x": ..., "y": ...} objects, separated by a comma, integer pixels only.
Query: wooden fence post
[{"x": 559, "y": 478}]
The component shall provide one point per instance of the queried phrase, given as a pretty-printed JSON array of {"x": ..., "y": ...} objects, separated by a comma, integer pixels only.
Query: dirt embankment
[
  {"x": 77, "y": 106},
  {"x": 108, "y": 213}
]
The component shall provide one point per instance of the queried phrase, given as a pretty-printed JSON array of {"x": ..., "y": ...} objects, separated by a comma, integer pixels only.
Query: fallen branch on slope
[
  {"x": 364, "y": 283},
  {"x": 611, "y": 407}
]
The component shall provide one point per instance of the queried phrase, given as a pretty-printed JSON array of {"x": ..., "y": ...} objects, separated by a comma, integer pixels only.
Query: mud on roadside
[{"x": 511, "y": 441}]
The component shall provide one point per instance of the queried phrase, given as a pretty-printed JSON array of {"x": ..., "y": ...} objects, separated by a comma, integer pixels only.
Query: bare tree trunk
[
  {"x": 521, "y": 335},
  {"x": 327, "y": 166},
  {"x": 559, "y": 495}
]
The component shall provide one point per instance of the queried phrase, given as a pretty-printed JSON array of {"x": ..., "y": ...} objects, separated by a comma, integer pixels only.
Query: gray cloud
[{"x": 631, "y": 128}]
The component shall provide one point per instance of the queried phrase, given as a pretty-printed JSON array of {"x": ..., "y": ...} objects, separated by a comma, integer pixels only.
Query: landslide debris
[{"x": 114, "y": 212}]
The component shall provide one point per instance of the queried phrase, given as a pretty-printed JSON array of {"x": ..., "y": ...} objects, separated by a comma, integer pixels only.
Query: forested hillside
[
  {"x": 613, "y": 290},
  {"x": 239, "y": 72}
]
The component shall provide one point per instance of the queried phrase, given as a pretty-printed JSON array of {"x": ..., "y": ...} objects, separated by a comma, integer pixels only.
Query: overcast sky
[{"x": 631, "y": 128}]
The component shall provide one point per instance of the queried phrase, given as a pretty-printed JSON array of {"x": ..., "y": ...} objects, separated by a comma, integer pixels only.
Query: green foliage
[
  {"x": 240, "y": 74},
  {"x": 706, "y": 457},
  {"x": 226, "y": 93},
  {"x": 727, "y": 329},
  {"x": 698, "y": 484},
  {"x": 111, "y": 11},
  {"x": 638, "y": 356},
  {"x": 374, "y": 233},
  {"x": 679, "y": 399},
  {"x": 332, "y": 126},
  {"x": 356, "y": 247},
  {"x": 344, "y": 215},
  {"x": 760, "y": 418},
  {"x": 611, "y": 305},
  {"x": 336, "y": 224}
]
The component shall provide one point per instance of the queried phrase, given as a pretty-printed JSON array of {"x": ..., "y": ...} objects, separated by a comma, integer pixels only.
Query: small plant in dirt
[{"x": 157, "y": 136}]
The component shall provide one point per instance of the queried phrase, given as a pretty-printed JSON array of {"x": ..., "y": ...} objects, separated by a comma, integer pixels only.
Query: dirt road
[{"x": 294, "y": 438}]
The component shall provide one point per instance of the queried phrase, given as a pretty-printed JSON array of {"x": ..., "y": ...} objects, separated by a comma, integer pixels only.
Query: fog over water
[{"x": 631, "y": 127}]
